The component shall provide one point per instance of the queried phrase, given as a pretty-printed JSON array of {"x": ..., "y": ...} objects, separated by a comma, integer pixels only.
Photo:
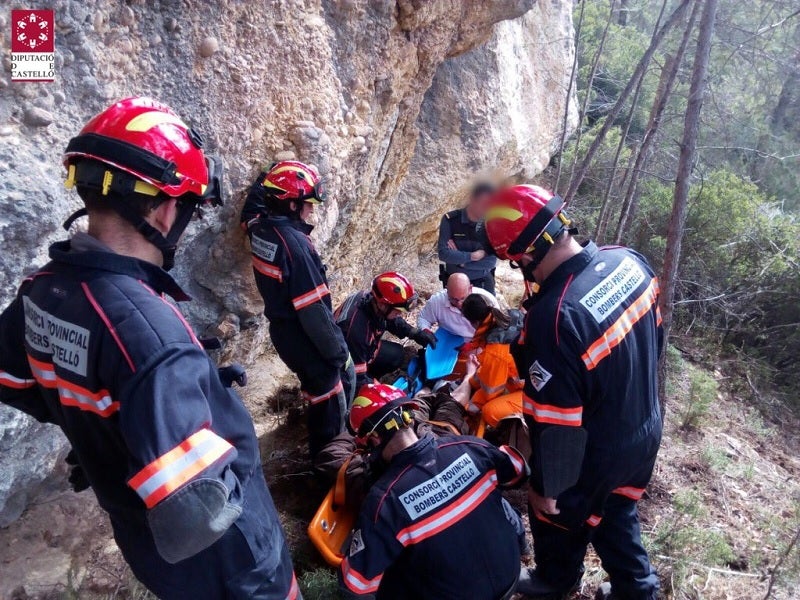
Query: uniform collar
[
  {"x": 411, "y": 454},
  {"x": 574, "y": 265},
  {"x": 465, "y": 217},
  {"x": 301, "y": 226},
  {"x": 89, "y": 255},
  {"x": 369, "y": 308}
]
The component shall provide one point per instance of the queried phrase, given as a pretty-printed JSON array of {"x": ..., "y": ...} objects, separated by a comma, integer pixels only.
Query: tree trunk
[
  {"x": 622, "y": 16},
  {"x": 585, "y": 105},
  {"x": 569, "y": 95},
  {"x": 655, "y": 41},
  {"x": 605, "y": 208},
  {"x": 669, "y": 74},
  {"x": 677, "y": 222}
]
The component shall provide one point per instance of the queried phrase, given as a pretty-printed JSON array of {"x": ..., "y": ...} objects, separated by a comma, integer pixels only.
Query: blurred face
[{"x": 478, "y": 205}]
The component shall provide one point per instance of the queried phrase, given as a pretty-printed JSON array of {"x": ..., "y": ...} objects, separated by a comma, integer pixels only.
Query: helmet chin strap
[
  {"x": 541, "y": 246},
  {"x": 168, "y": 244}
]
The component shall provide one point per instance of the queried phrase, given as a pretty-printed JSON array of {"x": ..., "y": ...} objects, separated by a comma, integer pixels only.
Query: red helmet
[
  {"x": 522, "y": 219},
  {"x": 293, "y": 180},
  {"x": 147, "y": 140},
  {"x": 377, "y": 410},
  {"x": 396, "y": 290}
]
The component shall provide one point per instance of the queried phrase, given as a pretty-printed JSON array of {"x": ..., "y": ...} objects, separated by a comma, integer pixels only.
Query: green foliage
[
  {"x": 716, "y": 458},
  {"x": 675, "y": 368},
  {"x": 595, "y": 182},
  {"x": 702, "y": 394},
  {"x": 622, "y": 51},
  {"x": 686, "y": 541},
  {"x": 319, "y": 584},
  {"x": 739, "y": 274}
]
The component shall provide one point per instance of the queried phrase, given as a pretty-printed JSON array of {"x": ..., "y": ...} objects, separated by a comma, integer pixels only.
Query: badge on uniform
[
  {"x": 263, "y": 249},
  {"x": 357, "y": 544},
  {"x": 539, "y": 376}
]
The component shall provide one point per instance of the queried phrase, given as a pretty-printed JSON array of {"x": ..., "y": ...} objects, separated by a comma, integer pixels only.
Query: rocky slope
[{"x": 398, "y": 103}]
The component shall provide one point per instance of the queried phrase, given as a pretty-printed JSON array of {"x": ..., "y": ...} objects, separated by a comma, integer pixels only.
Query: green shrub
[
  {"x": 702, "y": 394},
  {"x": 319, "y": 584}
]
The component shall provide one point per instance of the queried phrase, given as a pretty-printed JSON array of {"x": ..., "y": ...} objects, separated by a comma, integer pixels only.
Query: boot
[
  {"x": 534, "y": 588},
  {"x": 604, "y": 592}
]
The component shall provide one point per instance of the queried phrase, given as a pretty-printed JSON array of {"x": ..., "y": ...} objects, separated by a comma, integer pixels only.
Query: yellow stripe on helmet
[
  {"x": 308, "y": 175},
  {"x": 503, "y": 212},
  {"x": 399, "y": 283},
  {"x": 362, "y": 402},
  {"x": 146, "y": 121}
]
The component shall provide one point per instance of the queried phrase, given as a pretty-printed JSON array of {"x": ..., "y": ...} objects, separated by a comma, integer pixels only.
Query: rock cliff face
[{"x": 398, "y": 103}]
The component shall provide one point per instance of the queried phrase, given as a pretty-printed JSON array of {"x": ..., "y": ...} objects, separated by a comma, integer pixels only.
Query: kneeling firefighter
[
  {"x": 435, "y": 524},
  {"x": 366, "y": 315}
]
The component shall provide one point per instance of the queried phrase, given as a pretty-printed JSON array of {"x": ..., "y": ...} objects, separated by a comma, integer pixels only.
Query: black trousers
[
  {"x": 601, "y": 509},
  {"x": 327, "y": 389},
  {"x": 389, "y": 357},
  {"x": 487, "y": 282}
]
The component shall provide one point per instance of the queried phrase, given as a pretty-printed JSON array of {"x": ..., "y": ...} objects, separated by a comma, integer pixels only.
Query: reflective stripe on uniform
[
  {"x": 294, "y": 589},
  {"x": 491, "y": 389},
  {"x": 72, "y": 394},
  {"x": 322, "y": 397},
  {"x": 554, "y": 415},
  {"x": 174, "y": 468},
  {"x": 18, "y": 383},
  {"x": 357, "y": 582},
  {"x": 613, "y": 336},
  {"x": 267, "y": 269},
  {"x": 451, "y": 514},
  {"x": 315, "y": 295},
  {"x": 593, "y": 521},
  {"x": 631, "y": 492},
  {"x": 517, "y": 461},
  {"x": 44, "y": 373},
  {"x": 99, "y": 402}
]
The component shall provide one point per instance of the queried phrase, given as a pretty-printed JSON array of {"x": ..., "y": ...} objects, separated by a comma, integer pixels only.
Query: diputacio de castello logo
[{"x": 32, "y": 45}]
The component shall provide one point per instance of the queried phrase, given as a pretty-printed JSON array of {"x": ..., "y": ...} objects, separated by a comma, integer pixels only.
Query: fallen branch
[
  {"x": 707, "y": 568},
  {"x": 779, "y": 564}
]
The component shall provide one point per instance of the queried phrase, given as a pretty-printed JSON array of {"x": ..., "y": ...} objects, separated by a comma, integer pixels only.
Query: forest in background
[{"x": 688, "y": 150}]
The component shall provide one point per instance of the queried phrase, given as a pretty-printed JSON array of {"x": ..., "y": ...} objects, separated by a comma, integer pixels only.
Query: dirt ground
[{"x": 717, "y": 518}]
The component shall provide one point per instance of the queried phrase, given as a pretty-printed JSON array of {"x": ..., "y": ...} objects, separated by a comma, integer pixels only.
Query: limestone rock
[
  {"x": 208, "y": 47},
  {"x": 398, "y": 103},
  {"x": 37, "y": 117},
  {"x": 25, "y": 443}
]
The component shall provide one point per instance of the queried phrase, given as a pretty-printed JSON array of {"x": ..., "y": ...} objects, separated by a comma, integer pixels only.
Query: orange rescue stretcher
[{"x": 333, "y": 522}]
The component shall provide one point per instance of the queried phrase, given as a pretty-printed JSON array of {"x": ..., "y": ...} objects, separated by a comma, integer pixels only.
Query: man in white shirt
[{"x": 444, "y": 308}]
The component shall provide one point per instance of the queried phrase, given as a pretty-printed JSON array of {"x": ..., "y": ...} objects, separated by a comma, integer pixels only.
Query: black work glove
[
  {"x": 424, "y": 337},
  {"x": 233, "y": 373},
  {"x": 210, "y": 343},
  {"x": 77, "y": 476}
]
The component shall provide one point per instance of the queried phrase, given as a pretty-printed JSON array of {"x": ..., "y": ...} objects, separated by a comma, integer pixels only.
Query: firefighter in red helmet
[
  {"x": 297, "y": 301},
  {"x": 92, "y": 344},
  {"x": 435, "y": 515},
  {"x": 366, "y": 315},
  {"x": 588, "y": 353}
]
